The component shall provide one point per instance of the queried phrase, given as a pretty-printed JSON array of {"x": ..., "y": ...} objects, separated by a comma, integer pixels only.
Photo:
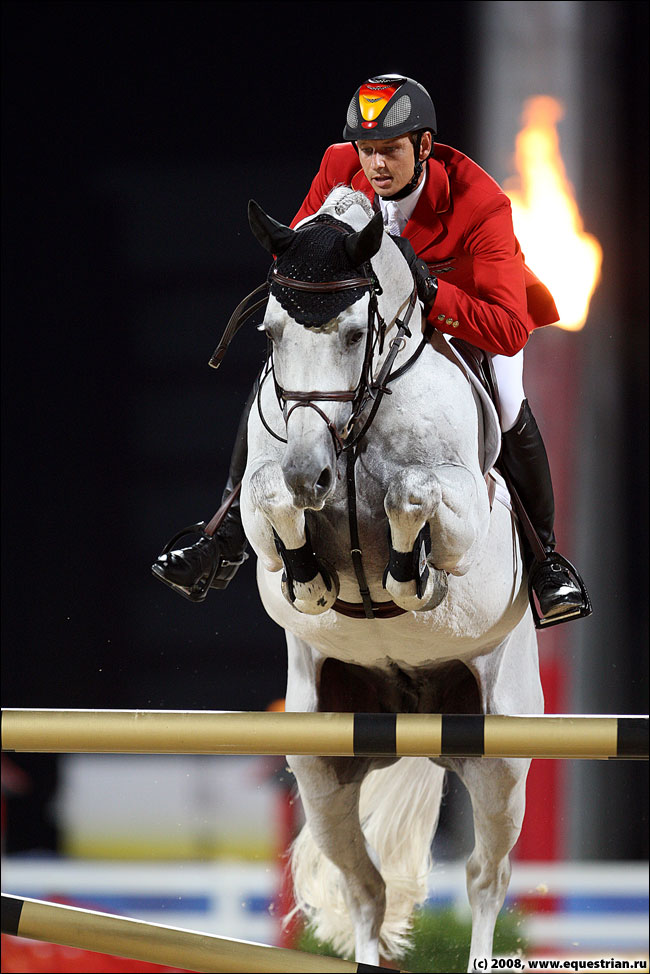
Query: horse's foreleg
[
  {"x": 332, "y": 811},
  {"x": 437, "y": 516},
  {"x": 411, "y": 578},
  {"x": 308, "y": 584},
  {"x": 497, "y": 789}
]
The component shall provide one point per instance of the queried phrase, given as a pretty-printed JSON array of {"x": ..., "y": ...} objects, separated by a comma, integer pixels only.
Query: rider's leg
[
  {"x": 524, "y": 460},
  {"x": 185, "y": 567}
]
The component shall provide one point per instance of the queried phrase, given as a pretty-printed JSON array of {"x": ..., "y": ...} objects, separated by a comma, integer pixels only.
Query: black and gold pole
[
  {"x": 159, "y": 944},
  {"x": 346, "y": 735}
]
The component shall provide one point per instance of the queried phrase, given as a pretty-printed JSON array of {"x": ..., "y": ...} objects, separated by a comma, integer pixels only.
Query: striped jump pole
[
  {"x": 159, "y": 944},
  {"x": 342, "y": 735}
]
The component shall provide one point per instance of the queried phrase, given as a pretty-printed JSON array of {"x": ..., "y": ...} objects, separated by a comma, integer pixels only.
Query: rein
[{"x": 240, "y": 315}]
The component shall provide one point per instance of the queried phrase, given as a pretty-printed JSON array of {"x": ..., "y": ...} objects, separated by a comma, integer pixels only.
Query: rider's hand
[{"x": 426, "y": 283}]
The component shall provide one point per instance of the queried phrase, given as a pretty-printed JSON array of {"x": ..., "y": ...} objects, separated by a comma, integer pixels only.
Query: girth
[{"x": 357, "y": 610}]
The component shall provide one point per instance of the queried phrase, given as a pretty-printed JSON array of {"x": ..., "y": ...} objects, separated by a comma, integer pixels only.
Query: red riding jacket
[{"x": 462, "y": 228}]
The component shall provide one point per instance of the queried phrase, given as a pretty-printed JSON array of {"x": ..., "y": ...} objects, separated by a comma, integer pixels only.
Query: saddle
[
  {"x": 477, "y": 367},
  {"x": 481, "y": 368}
]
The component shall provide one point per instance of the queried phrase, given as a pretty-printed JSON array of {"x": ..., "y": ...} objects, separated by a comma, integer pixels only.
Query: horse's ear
[
  {"x": 273, "y": 236},
  {"x": 363, "y": 245}
]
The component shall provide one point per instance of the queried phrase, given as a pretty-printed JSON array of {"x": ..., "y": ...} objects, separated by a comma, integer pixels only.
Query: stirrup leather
[{"x": 572, "y": 612}]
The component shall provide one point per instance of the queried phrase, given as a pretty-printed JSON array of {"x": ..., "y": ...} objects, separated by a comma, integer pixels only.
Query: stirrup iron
[
  {"x": 572, "y": 612},
  {"x": 199, "y": 590}
]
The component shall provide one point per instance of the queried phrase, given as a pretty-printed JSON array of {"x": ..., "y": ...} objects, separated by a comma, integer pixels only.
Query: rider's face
[{"x": 388, "y": 163}]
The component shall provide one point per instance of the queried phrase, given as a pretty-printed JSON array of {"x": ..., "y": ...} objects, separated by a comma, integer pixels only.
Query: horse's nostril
[{"x": 325, "y": 479}]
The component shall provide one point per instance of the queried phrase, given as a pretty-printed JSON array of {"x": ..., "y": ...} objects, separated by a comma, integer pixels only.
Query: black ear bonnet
[{"x": 317, "y": 253}]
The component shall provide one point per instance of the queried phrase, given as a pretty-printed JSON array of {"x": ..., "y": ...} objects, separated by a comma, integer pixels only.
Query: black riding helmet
[{"x": 387, "y": 106}]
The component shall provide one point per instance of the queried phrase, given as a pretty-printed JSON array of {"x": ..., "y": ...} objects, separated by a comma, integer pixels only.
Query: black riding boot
[
  {"x": 524, "y": 464},
  {"x": 214, "y": 559}
]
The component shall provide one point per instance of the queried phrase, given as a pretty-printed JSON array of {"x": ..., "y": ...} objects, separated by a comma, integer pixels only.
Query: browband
[{"x": 320, "y": 286}]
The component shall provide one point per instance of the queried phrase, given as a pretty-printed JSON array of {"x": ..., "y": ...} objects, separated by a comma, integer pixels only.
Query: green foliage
[{"x": 441, "y": 941}]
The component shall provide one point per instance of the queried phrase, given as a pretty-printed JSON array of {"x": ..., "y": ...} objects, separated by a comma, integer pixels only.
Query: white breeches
[{"x": 509, "y": 371}]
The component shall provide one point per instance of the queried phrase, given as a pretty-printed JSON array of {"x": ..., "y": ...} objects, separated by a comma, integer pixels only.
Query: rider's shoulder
[{"x": 464, "y": 172}]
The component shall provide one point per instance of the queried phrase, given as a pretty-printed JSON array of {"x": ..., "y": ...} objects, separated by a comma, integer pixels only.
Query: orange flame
[{"x": 546, "y": 218}]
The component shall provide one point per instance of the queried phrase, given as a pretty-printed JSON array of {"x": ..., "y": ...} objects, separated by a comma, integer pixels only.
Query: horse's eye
[{"x": 355, "y": 337}]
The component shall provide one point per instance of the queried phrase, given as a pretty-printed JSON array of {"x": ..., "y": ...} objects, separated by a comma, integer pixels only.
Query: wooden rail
[{"x": 352, "y": 735}]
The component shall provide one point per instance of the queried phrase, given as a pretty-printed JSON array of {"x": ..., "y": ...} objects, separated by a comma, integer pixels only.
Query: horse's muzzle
[{"x": 309, "y": 486}]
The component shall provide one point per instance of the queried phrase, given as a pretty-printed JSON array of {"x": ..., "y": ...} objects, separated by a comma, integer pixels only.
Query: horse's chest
[{"x": 331, "y": 528}]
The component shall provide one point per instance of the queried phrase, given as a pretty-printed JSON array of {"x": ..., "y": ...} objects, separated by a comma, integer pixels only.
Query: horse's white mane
[{"x": 342, "y": 198}]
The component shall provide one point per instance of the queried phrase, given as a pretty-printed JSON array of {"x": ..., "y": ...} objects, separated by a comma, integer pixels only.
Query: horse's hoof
[
  {"x": 315, "y": 596},
  {"x": 438, "y": 582},
  {"x": 405, "y": 594}
]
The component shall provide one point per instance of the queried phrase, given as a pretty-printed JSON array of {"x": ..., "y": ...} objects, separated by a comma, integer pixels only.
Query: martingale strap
[
  {"x": 355, "y": 550},
  {"x": 375, "y": 392}
]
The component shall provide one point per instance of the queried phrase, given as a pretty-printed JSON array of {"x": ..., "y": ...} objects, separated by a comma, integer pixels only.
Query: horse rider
[{"x": 453, "y": 224}]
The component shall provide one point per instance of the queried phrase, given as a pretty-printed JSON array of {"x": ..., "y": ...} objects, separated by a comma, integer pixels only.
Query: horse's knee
[
  {"x": 269, "y": 495},
  {"x": 308, "y": 584},
  {"x": 410, "y": 501}
]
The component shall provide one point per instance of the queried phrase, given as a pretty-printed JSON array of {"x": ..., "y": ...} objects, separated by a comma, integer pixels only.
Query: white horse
[{"x": 466, "y": 642}]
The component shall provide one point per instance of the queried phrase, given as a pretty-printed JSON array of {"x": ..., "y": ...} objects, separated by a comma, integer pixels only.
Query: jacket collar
[{"x": 425, "y": 224}]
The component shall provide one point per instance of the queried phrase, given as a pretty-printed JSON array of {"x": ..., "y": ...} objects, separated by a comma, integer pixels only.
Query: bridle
[
  {"x": 368, "y": 389},
  {"x": 309, "y": 399}
]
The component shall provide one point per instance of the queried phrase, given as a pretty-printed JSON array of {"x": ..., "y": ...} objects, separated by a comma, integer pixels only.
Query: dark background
[{"x": 134, "y": 135}]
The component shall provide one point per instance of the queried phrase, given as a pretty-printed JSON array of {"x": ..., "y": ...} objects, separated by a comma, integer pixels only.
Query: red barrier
[{"x": 20, "y": 956}]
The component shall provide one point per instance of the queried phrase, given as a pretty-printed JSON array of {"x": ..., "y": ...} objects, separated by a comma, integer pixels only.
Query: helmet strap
[{"x": 417, "y": 171}]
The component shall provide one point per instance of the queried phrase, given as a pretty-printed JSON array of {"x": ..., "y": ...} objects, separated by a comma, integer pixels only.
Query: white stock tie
[{"x": 393, "y": 221}]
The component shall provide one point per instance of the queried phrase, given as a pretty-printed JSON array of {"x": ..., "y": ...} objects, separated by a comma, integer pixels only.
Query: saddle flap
[{"x": 491, "y": 445}]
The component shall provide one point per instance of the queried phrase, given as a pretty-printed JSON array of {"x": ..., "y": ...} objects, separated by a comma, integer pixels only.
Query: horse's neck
[
  {"x": 392, "y": 312},
  {"x": 411, "y": 344},
  {"x": 431, "y": 403}
]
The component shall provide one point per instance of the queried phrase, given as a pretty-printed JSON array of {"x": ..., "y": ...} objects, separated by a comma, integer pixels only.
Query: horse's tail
[{"x": 399, "y": 809}]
